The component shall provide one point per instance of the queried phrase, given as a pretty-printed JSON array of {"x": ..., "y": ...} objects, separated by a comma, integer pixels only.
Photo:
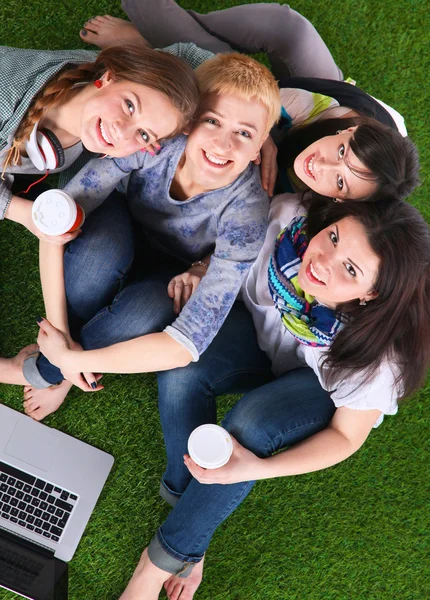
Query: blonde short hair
[{"x": 242, "y": 76}]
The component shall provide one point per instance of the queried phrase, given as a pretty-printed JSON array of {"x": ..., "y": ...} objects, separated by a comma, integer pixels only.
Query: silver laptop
[{"x": 49, "y": 485}]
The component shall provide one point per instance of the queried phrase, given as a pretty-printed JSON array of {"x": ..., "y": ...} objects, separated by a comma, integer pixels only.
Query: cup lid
[
  {"x": 54, "y": 212},
  {"x": 210, "y": 446}
]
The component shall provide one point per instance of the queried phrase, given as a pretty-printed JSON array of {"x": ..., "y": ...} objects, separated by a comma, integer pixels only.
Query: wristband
[{"x": 200, "y": 263}]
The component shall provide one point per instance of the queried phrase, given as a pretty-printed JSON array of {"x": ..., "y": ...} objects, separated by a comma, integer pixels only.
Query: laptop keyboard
[{"x": 34, "y": 504}]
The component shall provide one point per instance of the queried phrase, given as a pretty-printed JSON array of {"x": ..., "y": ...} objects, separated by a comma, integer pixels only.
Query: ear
[
  {"x": 107, "y": 78},
  {"x": 350, "y": 129},
  {"x": 370, "y": 296}
]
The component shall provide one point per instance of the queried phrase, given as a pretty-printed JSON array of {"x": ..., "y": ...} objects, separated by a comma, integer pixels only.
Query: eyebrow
[
  {"x": 249, "y": 125},
  {"x": 348, "y": 259},
  {"x": 139, "y": 108},
  {"x": 348, "y": 189}
]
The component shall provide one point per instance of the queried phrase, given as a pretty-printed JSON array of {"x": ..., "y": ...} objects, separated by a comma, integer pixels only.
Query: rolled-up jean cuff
[
  {"x": 165, "y": 558},
  {"x": 32, "y": 375},
  {"x": 168, "y": 495}
]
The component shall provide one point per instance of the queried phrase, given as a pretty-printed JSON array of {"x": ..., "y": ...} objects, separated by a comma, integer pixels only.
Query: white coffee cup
[
  {"x": 54, "y": 212},
  {"x": 210, "y": 446}
]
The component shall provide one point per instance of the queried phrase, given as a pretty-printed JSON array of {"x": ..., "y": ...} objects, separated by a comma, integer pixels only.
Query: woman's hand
[
  {"x": 242, "y": 466},
  {"x": 87, "y": 382},
  {"x": 152, "y": 149},
  {"x": 53, "y": 343},
  {"x": 269, "y": 166},
  {"x": 19, "y": 210},
  {"x": 182, "y": 287}
]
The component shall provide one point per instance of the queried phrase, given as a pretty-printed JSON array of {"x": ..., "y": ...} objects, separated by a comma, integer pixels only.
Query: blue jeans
[
  {"x": 273, "y": 414},
  {"x": 116, "y": 285}
]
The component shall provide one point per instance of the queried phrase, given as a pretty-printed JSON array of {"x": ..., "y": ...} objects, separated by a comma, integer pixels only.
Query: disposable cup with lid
[
  {"x": 54, "y": 212},
  {"x": 210, "y": 446}
]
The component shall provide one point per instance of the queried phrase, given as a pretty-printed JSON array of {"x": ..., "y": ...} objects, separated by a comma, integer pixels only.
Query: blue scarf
[{"x": 309, "y": 322}]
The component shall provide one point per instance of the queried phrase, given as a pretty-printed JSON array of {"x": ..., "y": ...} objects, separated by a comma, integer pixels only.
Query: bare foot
[
  {"x": 108, "y": 31},
  {"x": 184, "y": 588},
  {"x": 38, "y": 404},
  {"x": 147, "y": 581},
  {"x": 11, "y": 368}
]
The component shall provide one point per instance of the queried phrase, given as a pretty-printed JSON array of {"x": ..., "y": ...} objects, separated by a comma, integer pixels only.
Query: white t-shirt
[{"x": 282, "y": 348}]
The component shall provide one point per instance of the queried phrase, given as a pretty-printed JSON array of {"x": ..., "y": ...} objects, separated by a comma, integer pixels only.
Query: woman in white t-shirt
[{"x": 334, "y": 331}]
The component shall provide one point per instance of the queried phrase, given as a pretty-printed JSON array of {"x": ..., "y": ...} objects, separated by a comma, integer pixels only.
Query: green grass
[{"x": 353, "y": 532}]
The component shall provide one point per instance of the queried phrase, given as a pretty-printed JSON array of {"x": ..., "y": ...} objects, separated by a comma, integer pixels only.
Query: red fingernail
[{"x": 143, "y": 149}]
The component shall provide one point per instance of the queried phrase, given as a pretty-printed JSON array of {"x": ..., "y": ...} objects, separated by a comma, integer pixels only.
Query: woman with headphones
[{"x": 58, "y": 106}]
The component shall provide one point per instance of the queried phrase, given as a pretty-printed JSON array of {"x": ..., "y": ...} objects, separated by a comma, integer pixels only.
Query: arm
[
  {"x": 99, "y": 177},
  {"x": 51, "y": 266},
  {"x": 148, "y": 353},
  {"x": 345, "y": 434}
]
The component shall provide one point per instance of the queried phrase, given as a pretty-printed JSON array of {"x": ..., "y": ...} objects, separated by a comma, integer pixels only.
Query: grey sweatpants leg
[
  {"x": 163, "y": 22},
  {"x": 293, "y": 45}
]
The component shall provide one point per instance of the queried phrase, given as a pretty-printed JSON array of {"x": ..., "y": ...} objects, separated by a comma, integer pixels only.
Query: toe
[
  {"x": 37, "y": 414},
  {"x": 90, "y": 37},
  {"x": 30, "y": 404},
  {"x": 176, "y": 591}
]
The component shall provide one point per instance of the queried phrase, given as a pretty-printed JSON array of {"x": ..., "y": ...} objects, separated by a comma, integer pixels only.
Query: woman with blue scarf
[{"x": 333, "y": 331}]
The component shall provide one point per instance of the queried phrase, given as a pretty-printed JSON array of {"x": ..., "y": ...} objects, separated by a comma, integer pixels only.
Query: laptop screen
[{"x": 31, "y": 571}]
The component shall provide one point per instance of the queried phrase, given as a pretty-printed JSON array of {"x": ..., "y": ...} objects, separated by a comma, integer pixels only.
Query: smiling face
[
  {"x": 339, "y": 264},
  {"x": 226, "y": 138},
  {"x": 123, "y": 117},
  {"x": 327, "y": 166}
]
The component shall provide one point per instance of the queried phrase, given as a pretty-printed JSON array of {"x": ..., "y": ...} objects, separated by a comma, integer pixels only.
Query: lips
[
  {"x": 103, "y": 134},
  {"x": 215, "y": 161},
  {"x": 308, "y": 164},
  {"x": 312, "y": 275}
]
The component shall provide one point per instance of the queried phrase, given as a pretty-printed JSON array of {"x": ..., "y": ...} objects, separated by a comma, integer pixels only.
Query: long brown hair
[
  {"x": 396, "y": 324},
  {"x": 391, "y": 160},
  {"x": 158, "y": 70}
]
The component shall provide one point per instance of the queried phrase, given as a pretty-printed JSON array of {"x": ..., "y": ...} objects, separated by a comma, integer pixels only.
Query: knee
[
  {"x": 246, "y": 428},
  {"x": 180, "y": 388},
  {"x": 286, "y": 27}
]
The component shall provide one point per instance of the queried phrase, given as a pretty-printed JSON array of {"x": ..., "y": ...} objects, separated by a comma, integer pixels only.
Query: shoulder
[
  {"x": 284, "y": 208},
  {"x": 379, "y": 393},
  {"x": 143, "y": 160},
  {"x": 246, "y": 194},
  {"x": 189, "y": 52},
  {"x": 23, "y": 73}
]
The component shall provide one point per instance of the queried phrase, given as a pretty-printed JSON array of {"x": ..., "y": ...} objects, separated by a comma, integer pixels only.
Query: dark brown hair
[
  {"x": 396, "y": 324},
  {"x": 391, "y": 160}
]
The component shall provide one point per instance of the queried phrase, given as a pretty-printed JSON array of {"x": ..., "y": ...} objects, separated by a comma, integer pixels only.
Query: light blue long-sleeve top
[{"x": 230, "y": 222}]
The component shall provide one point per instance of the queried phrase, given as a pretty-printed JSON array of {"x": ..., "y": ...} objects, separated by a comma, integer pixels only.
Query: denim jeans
[
  {"x": 273, "y": 414},
  {"x": 116, "y": 286}
]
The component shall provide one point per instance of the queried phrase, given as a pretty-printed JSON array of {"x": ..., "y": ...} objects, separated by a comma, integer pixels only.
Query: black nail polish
[
  {"x": 83, "y": 32},
  {"x": 39, "y": 319},
  {"x": 94, "y": 385}
]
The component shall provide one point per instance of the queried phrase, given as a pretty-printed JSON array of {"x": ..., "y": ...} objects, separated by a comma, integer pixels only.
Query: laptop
[{"x": 49, "y": 485}]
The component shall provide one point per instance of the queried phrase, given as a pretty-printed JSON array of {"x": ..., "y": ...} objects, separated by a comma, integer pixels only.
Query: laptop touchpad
[{"x": 33, "y": 443}]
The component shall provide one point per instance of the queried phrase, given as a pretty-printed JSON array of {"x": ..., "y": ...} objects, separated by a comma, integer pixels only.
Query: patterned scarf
[{"x": 309, "y": 322}]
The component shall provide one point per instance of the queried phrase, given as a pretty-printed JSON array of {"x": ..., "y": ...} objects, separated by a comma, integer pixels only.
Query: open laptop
[{"x": 49, "y": 485}]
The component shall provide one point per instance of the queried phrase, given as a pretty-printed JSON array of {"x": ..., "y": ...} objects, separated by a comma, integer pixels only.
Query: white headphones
[{"x": 44, "y": 149}]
